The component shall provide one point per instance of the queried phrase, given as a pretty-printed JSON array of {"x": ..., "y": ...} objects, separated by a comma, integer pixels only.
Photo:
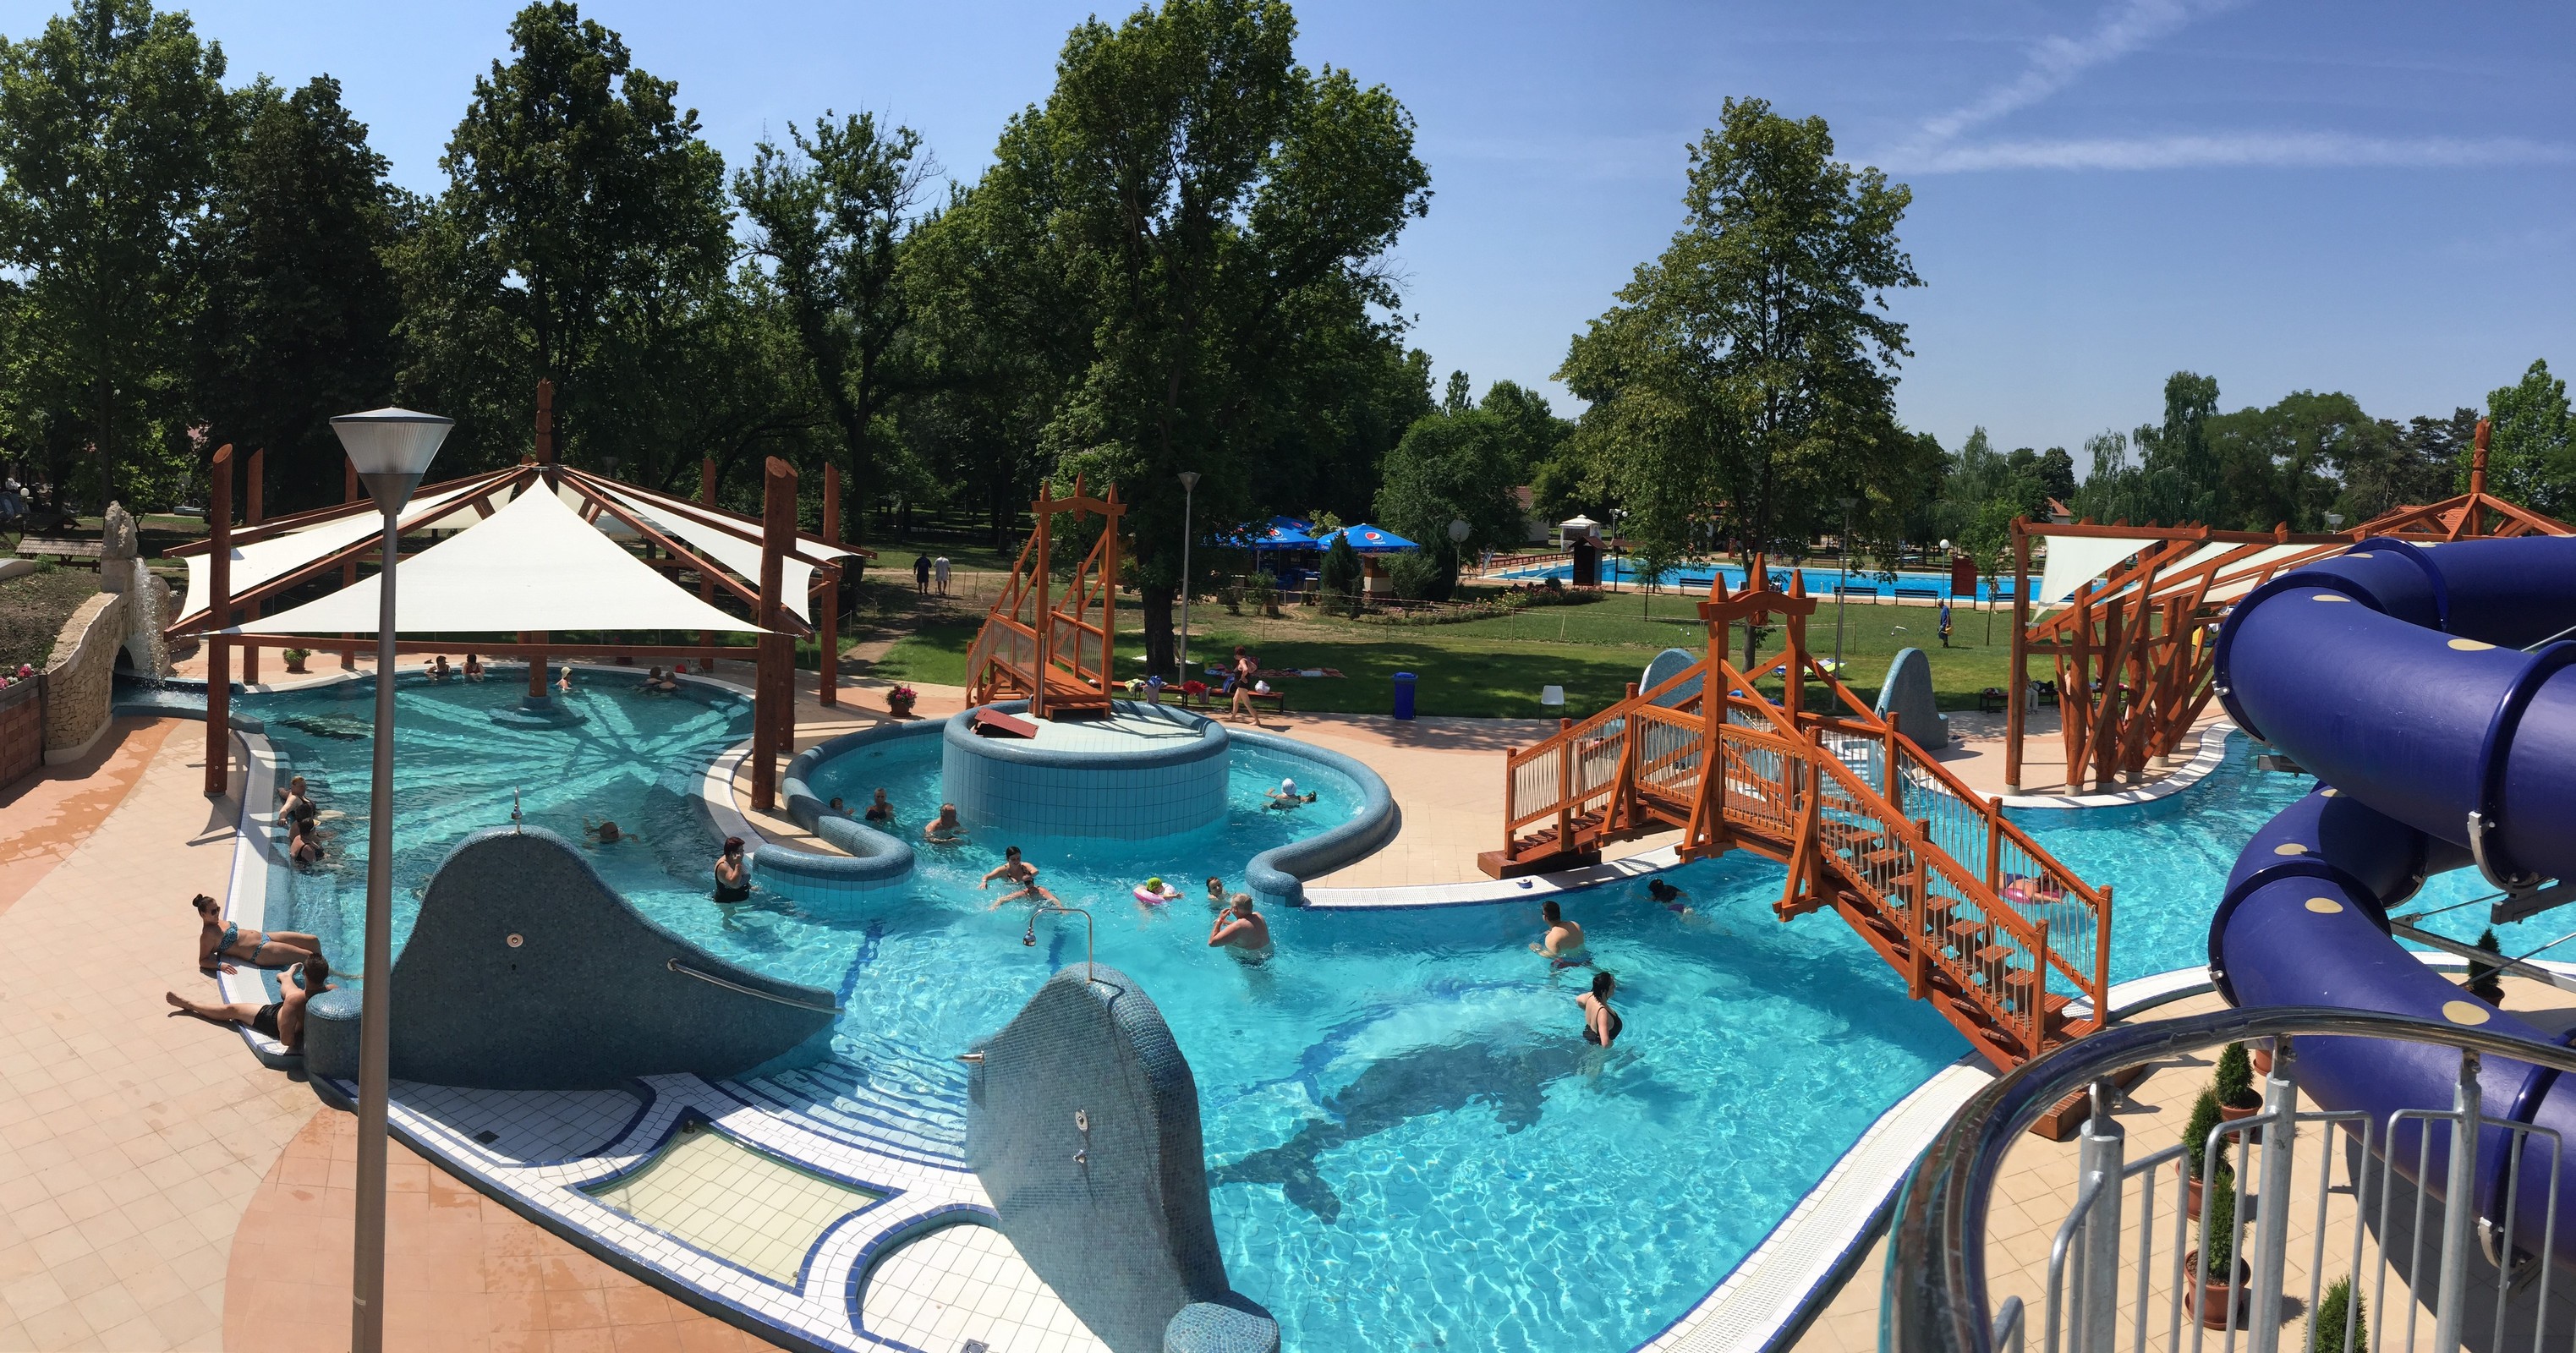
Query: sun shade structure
[
  {"x": 1368, "y": 539},
  {"x": 533, "y": 565}
]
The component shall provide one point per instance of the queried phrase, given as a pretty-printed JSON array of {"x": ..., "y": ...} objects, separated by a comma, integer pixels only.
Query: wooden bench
[
  {"x": 30, "y": 547},
  {"x": 1275, "y": 698}
]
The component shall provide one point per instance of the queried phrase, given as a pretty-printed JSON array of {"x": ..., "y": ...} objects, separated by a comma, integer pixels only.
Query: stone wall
[
  {"x": 80, "y": 678},
  {"x": 22, "y": 729}
]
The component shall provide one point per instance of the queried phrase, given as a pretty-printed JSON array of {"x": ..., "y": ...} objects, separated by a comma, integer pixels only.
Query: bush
[
  {"x": 1341, "y": 573},
  {"x": 1264, "y": 596},
  {"x": 2340, "y": 1303},
  {"x": 2195, "y": 1134},
  {"x": 1420, "y": 577},
  {"x": 1231, "y": 597},
  {"x": 2235, "y": 1083},
  {"x": 2218, "y": 1239},
  {"x": 2486, "y": 980}
]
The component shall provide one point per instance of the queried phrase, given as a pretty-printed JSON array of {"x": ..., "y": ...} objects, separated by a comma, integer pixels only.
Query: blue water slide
[{"x": 2399, "y": 676}]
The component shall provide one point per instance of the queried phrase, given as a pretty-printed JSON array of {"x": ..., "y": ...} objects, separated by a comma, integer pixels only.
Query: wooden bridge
[
  {"x": 1981, "y": 922},
  {"x": 1051, "y": 650}
]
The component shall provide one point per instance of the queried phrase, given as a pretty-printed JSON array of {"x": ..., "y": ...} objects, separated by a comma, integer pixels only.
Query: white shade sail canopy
[
  {"x": 277, "y": 556},
  {"x": 2076, "y": 560},
  {"x": 695, "y": 527},
  {"x": 533, "y": 565}
]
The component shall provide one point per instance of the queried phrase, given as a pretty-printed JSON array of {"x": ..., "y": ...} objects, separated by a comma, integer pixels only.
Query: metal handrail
[
  {"x": 684, "y": 970},
  {"x": 1936, "y": 1292}
]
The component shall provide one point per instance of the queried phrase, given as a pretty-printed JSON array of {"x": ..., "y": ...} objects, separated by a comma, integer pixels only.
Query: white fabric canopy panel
[
  {"x": 277, "y": 556},
  {"x": 2076, "y": 560},
  {"x": 690, "y": 527},
  {"x": 2246, "y": 574},
  {"x": 534, "y": 565}
]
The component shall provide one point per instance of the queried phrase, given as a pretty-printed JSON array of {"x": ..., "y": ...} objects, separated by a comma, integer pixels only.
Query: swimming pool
[
  {"x": 1820, "y": 580},
  {"x": 1409, "y": 1146}
]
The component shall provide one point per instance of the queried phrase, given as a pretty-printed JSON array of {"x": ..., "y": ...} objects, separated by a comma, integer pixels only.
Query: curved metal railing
[{"x": 1937, "y": 1291}]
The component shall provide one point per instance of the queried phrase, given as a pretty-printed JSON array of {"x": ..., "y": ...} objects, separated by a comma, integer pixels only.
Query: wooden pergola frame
[{"x": 596, "y": 496}]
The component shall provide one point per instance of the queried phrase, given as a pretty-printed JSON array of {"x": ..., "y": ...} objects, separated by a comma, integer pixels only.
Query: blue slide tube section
[{"x": 2396, "y": 675}]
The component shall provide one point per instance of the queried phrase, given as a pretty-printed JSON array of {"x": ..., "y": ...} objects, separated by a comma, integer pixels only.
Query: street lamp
[
  {"x": 1842, "y": 589},
  {"x": 2333, "y": 520},
  {"x": 1189, "y": 491},
  {"x": 391, "y": 449}
]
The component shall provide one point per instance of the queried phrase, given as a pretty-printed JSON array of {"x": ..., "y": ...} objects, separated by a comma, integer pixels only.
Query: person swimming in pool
[
  {"x": 1601, "y": 1024},
  {"x": 219, "y": 940},
  {"x": 473, "y": 667},
  {"x": 1241, "y": 932},
  {"x": 945, "y": 829},
  {"x": 1674, "y": 899},
  {"x": 1163, "y": 893},
  {"x": 1286, "y": 796},
  {"x": 1216, "y": 893},
  {"x": 733, "y": 873},
  {"x": 881, "y": 810},
  {"x": 1563, "y": 943},
  {"x": 1015, "y": 870},
  {"x": 564, "y": 683},
  {"x": 281, "y": 1019},
  {"x": 304, "y": 843},
  {"x": 607, "y": 833},
  {"x": 295, "y": 803}
]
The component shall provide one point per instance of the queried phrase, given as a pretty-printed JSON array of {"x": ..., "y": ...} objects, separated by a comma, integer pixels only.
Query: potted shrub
[
  {"x": 295, "y": 662},
  {"x": 1264, "y": 596},
  {"x": 1231, "y": 597},
  {"x": 2215, "y": 1265},
  {"x": 2486, "y": 980},
  {"x": 2237, "y": 1097},
  {"x": 899, "y": 701},
  {"x": 2340, "y": 1305},
  {"x": 2195, "y": 1140}
]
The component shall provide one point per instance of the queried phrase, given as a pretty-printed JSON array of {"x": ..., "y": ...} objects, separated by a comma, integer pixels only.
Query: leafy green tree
[
  {"x": 112, "y": 123},
  {"x": 2180, "y": 471},
  {"x": 1207, "y": 216},
  {"x": 829, "y": 216},
  {"x": 1746, "y": 378},
  {"x": 1456, "y": 465},
  {"x": 301, "y": 307},
  {"x": 2531, "y": 458},
  {"x": 583, "y": 224},
  {"x": 1341, "y": 573},
  {"x": 2341, "y": 1306},
  {"x": 2406, "y": 466}
]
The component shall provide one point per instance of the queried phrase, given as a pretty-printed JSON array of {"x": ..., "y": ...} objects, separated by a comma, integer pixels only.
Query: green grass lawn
[{"x": 1496, "y": 668}]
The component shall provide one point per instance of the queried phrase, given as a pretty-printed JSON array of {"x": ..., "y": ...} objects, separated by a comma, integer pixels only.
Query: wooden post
[
  {"x": 1995, "y": 846},
  {"x": 706, "y": 586},
  {"x": 254, "y": 499},
  {"x": 2102, "y": 961},
  {"x": 774, "y": 689},
  {"x": 2017, "y": 677},
  {"x": 219, "y": 615},
  {"x": 1564, "y": 787},
  {"x": 2075, "y": 688},
  {"x": 827, "y": 625},
  {"x": 545, "y": 484},
  {"x": 1045, "y": 624},
  {"x": 349, "y": 570},
  {"x": 1109, "y": 599}
]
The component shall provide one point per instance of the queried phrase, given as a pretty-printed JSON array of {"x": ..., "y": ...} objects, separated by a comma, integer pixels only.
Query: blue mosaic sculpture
[
  {"x": 526, "y": 971},
  {"x": 1082, "y": 1121},
  {"x": 1907, "y": 693}
]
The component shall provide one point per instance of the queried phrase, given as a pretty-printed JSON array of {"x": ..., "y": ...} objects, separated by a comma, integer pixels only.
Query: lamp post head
[
  {"x": 1189, "y": 480},
  {"x": 391, "y": 449},
  {"x": 1458, "y": 531},
  {"x": 2333, "y": 520}
]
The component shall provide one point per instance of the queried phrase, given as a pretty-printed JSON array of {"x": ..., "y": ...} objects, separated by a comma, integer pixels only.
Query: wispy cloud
[
  {"x": 1940, "y": 145},
  {"x": 2268, "y": 150}
]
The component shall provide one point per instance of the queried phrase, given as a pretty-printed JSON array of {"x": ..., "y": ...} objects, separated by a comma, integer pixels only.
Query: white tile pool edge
[{"x": 2213, "y": 751}]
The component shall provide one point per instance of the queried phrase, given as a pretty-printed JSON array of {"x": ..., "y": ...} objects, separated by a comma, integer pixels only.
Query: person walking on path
[
  {"x": 921, "y": 574},
  {"x": 939, "y": 573}
]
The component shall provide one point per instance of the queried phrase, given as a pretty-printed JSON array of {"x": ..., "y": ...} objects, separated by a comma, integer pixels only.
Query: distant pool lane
[{"x": 1820, "y": 581}]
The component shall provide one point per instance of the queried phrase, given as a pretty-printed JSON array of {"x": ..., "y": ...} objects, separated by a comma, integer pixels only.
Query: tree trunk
[{"x": 1160, "y": 651}]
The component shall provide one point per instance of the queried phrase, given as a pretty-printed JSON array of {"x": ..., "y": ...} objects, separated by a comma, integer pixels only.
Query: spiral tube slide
[{"x": 2396, "y": 674}]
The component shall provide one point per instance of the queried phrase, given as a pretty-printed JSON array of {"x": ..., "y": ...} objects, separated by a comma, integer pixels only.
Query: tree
[
  {"x": 1206, "y": 215},
  {"x": 583, "y": 218},
  {"x": 2531, "y": 458},
  {"x": 111, "y": 124},
  {"x": 2409, "y": 466},
  {"x": 830, "y": 218},
  {"x": 1341, "y": 573},
  {"x": 1748, "y": 373},
  {"x": 2181, "y": 479},
  {"x": 301, "y": 307},
  {"x": 1456, "y": 465}
]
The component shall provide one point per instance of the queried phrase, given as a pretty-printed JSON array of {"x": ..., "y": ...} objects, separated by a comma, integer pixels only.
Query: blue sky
[{"x": 2373, "y": 197}]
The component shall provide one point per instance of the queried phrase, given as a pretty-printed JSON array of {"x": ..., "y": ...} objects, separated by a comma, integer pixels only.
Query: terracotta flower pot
[
  {"x": 2218, "y": 1299},
  {"x": 2261, "y": 1055},
  {"x": 899, "y": 706},
  {"x": 2190, "y": 1191},
  {"x": 2230, "y": 1113}
]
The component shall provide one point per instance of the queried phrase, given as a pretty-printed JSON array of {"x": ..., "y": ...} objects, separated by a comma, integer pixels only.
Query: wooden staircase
[
  {"x": 1980, "y": 921},
  {"x": 1054, "y": 651}
]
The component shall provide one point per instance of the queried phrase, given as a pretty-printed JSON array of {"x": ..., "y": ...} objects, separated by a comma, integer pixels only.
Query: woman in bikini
[
  {"x": 733, "y": 873},
  {"x": 219, "y": 940},
  {"x": 281, "y": 1019},
  {"x": 1601, "y": 1024},
  {"x": 1243, "y": 669},
  {"x": 304, "y": 844},
  {"x": 1014, "y": 870},
  {"x": 295, "y": 803},
  {"x": 473, "y": 668}
]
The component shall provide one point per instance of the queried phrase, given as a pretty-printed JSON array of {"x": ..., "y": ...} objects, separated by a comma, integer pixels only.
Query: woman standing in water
[{"x": 1601, "y": 1024}]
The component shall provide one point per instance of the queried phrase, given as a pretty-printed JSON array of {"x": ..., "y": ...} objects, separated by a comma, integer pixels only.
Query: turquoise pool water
[
  {"x": 1820, "y": 580},
  {"x": 1410, "y": 1145}
]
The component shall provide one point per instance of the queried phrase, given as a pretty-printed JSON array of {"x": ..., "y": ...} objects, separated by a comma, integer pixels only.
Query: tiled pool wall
[
  {"x": 1164, "y": 790},
  {"x": 874, "y": 861}
]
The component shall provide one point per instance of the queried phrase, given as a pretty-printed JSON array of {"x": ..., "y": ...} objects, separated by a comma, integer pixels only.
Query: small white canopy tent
[{"x": 533, "y": 565}]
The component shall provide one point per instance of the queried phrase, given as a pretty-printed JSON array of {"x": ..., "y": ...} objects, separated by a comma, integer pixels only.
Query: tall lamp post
[
  {"x": 391, "y": 449},
  {"x": 1189, "y": 490},
  {"x": 1842, "y": 595}
]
